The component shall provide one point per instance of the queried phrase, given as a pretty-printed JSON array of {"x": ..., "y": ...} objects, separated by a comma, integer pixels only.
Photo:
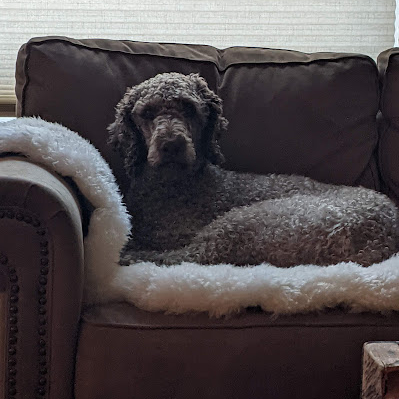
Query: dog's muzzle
[{"x": 171, "y": 143}]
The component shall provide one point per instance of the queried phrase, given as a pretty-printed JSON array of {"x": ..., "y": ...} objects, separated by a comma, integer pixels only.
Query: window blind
[
  {"x": 366, "y": 26},
  {"x": 397, "y": 24}
]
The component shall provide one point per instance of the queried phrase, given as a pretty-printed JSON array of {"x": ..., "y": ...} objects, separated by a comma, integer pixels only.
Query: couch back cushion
[
  {"x": 289, "y": 112},
  {"x": 388, "y": 65}
]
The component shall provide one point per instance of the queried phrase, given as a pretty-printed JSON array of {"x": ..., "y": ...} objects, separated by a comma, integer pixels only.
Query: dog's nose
[{"x": 173, "y": 148}]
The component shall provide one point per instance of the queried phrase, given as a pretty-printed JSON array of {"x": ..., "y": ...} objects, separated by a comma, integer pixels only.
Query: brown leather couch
[{"x": 330, "y": 116}]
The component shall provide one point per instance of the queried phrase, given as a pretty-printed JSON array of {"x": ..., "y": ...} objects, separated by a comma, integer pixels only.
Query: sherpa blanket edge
[{"x": 218, "y": 290}]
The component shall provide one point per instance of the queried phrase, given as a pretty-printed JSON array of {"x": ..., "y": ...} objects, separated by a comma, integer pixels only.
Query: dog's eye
[
  {"x": 189, "y": 109},
  {"x": 148, "y": 113}
]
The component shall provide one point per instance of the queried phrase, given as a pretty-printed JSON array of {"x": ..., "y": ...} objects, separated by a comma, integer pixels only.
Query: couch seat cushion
[{"x": 125, "y": 352}]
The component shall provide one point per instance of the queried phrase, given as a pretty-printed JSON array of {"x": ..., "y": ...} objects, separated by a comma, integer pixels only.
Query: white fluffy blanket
[{"x": 218, "y": 290}]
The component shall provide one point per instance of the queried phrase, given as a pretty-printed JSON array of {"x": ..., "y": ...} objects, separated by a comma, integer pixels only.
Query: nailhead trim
[
  {"x": 10, "y": 214},
  {"x": 42, "y": 331},
  {"x": 12, "y": 322},
  {"x": 19, "y": 217},
  {"x": 42, "y": 309},
  {"x": 15, "y": 289}
]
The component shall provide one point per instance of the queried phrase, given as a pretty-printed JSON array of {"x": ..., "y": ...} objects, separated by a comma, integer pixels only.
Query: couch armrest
[{"x": 41, "y": 281}]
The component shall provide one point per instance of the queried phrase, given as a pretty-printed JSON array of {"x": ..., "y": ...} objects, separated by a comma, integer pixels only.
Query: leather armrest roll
[{"x": 41, "y": 280}]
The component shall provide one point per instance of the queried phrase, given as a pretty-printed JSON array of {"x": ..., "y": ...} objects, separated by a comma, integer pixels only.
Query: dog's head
[{"x": 171, "y": 120}]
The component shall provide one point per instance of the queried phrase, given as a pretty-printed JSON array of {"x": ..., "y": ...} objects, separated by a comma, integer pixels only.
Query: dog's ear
[
  {"x": 216, "y": 123},
  {"x": 125, "y": 136}
]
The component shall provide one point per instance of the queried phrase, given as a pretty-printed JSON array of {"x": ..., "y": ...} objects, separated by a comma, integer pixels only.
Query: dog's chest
[{"x": 168, "y": 218}]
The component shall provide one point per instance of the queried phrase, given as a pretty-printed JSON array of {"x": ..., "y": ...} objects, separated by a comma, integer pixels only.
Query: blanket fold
[{"x": 219, "y": 289}]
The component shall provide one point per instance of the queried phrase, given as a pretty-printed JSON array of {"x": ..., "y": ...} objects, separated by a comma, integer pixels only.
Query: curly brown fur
[
  {"x": 169, "y": 111},
  {"x": 187, "y": 208}
]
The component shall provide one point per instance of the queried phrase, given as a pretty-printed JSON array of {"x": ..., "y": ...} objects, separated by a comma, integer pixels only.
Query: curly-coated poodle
[{"x": 185, "y": 207}]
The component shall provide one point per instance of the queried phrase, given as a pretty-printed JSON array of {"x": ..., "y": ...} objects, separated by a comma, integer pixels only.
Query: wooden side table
[{"x": 380, "y": 370}]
